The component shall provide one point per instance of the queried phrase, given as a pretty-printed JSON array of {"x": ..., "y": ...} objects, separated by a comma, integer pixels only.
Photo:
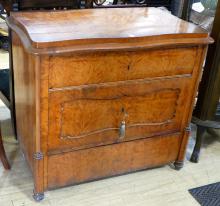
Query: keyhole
[
  {"x": 128, "y": 67},
  {"x": 125, "y": 114}
]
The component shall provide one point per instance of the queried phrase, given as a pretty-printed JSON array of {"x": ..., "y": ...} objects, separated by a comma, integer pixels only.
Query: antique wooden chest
[{"x": 103, "y": 92}]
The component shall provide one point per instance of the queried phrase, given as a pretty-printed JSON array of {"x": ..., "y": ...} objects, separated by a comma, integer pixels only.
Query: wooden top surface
[{"x": 47, "y": 29}]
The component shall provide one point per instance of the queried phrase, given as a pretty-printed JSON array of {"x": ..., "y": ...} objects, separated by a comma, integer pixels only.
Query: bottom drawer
[{"x": 105, "y": 161}]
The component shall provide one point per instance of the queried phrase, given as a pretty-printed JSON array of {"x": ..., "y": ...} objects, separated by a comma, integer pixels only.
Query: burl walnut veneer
[{"x": 103, "y": 92}]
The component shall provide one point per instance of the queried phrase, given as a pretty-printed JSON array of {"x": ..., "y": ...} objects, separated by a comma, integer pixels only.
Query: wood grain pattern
[
  {"x": 197, "y": 75},
  {"x": 149, "y": 107},
  {"x": 25, "y": 90},
  {"x": 97, "y": 115},
  {"x": 114, "y": 66},
  {"x": 44, "y": 93},
  {"x": 27, "y": 93},
  {"x": 122, "y": 23},
  {"x": 96, "y": 163},
  {"x": 72, "y": 94},
  {"x": 127, "y": 29}
]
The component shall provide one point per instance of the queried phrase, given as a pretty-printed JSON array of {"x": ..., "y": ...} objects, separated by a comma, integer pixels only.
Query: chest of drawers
[{"x": 97, "y": 98}]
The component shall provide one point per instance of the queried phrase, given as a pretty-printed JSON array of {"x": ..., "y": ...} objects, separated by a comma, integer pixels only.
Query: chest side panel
[{"x": 25, "y": 98}]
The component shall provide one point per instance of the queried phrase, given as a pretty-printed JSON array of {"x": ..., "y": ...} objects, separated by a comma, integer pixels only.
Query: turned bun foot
[
  {"x": 38, "y": 196},
  {"x": 178, "y": 165}
]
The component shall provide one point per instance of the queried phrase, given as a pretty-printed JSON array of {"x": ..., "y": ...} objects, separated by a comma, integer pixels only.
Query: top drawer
[{"x": 103, "y": 67}]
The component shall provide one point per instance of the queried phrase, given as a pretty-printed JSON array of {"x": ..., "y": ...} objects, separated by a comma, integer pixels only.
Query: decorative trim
[
  {"x": 141, "y": 124},
  {"x": 115, "y": 128},
  {"x": 38, "y": 156}
]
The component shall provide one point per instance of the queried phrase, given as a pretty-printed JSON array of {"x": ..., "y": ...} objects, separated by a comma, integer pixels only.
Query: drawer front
[
  {"x": 110, "y": 67},
  {"x": 99, "y": 162},
  {"x": 90, "y": 116}
]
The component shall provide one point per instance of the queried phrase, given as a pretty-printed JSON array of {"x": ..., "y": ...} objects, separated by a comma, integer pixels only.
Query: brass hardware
[
  {"x": 122, "y": 130},
  {"x": 38, "y": 156},
  {"x": 188, "y": 129}
]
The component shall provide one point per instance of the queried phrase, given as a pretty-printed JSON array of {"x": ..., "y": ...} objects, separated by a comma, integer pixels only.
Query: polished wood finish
[
  {"x": 101, "y": 67},
  {"x": 122, "y": 94},
  {"x": 111, "y": 160},
  {"x": 25, "y": 98},
  {"x": 91, "y": 116},
  {"x": 137, "y": 29}
]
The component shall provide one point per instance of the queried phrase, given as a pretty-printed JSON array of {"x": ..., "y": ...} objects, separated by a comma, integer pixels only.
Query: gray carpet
[{"x": 208, "y": 195}]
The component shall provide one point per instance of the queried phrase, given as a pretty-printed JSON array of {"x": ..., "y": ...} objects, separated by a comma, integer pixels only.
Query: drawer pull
[{"x": 122, "y": 130}]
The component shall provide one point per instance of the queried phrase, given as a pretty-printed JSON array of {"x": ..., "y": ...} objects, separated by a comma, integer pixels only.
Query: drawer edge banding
[{"x": 116, "y": 128}]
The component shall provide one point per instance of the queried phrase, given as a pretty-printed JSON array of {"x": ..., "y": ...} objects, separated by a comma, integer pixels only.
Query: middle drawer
[{"x": 88, "y": 116}]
